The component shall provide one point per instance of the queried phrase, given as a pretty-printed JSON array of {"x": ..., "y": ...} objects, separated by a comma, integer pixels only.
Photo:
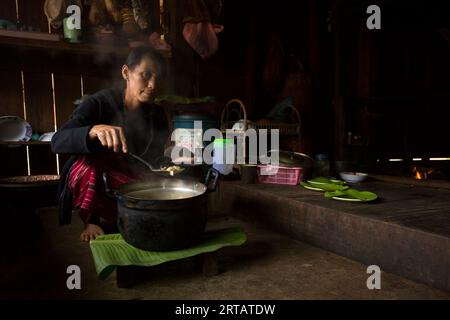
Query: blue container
[{"x": 186, "y": 122}]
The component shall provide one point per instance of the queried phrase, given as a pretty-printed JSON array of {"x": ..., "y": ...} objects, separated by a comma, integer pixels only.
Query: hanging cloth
[
  {"x": 198, "y": 30},
  {"x": 55, "y": 10}
]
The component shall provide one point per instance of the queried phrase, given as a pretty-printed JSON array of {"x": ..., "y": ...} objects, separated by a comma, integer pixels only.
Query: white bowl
[
  {"x": 13, "y": 128},
  {"x": 240, "y": 125},
  {"x": 46, "y": 136},
  {"x": 353, "y": 177}
]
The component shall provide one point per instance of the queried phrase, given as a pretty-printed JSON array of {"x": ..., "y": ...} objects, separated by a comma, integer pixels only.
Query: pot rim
[{"x": 124, "y": 193}]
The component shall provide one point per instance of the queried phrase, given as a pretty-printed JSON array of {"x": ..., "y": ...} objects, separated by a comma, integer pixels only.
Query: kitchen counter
[{"x": 406, "y": 231}]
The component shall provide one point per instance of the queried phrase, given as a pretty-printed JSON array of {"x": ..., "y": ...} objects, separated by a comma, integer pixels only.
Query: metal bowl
[{"x": 29, "y": 192}]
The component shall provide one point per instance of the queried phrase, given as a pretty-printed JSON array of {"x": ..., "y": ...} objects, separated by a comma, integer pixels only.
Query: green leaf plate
[
  {"x": 323, "y": 186},
  {"x": 351, "y": 195},
  {"x": 323, "y": 180}
]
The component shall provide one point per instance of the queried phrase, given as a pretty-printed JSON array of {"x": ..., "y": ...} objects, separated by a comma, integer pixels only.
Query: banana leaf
[
  {"x": 352, "y": 194},
  {"x": 111, "y": 250},
  {"x": 324, "y": 186},
  {"x": 326, "y": 180}
]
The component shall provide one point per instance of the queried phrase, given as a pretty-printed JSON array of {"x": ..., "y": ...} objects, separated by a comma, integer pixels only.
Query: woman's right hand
[{"x": 111, "y": 137}]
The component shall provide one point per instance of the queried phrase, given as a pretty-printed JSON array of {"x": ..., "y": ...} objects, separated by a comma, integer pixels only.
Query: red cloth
[{"x": 86, "y": 184}]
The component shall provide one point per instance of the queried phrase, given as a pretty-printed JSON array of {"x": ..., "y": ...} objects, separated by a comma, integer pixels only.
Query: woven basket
[
  {"x": 292, "y": 128},
  {"x": 235, "y": 108}
]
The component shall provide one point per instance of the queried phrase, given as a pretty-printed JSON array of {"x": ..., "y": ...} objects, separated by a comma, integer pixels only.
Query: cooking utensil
[
  {"x": 163, "y": 214},
  {"x": 191, "y": 171},
  {"x": 162, "y": 172}
]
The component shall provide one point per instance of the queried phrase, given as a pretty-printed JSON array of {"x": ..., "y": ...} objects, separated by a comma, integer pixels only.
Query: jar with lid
[{"x": 322, "y": 165}]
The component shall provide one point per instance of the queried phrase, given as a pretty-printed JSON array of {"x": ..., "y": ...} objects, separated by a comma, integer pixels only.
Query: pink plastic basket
[{"x": 280, "y": 175}]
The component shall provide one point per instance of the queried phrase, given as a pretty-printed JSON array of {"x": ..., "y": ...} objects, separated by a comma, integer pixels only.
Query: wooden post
[
  {"x": 210, "y": 266},
  {"x": 339, "y": 110},
  {"x": 207, "y": 263}
]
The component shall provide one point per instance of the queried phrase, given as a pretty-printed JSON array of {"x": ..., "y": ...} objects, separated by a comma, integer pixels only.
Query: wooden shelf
[
  {"x": 28, "y": 143},
  {"x": 63, "y": 46},
  {"x": 51, "y": 44}
]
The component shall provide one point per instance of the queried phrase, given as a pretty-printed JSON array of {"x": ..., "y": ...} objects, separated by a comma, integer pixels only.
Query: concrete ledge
[{"x": 400, "y": 233}]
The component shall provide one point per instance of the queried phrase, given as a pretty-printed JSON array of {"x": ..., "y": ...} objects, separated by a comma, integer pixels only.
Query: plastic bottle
[{"x": 223, "y": 159}]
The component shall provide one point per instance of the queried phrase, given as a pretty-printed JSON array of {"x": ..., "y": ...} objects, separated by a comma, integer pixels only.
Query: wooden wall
[
  {"x": 395, "y": 81},
  {"x": 51, "y": 82}
]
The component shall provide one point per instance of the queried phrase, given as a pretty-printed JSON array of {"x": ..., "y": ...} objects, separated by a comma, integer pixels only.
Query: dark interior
[
  {"x": 364, "y": 96},
  {"x": 368, "y": 100}
]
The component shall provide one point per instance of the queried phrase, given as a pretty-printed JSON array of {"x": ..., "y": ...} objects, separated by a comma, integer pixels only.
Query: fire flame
[
  {"x": 418, "y": 175},
  {"x": 421, "y": 174}
]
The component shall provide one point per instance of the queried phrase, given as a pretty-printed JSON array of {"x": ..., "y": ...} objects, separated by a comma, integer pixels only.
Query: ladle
[{"x": 149, "y": 166}]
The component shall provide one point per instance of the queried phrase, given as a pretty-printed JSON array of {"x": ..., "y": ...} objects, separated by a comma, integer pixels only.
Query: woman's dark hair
[{"x": 137, "y": 54}]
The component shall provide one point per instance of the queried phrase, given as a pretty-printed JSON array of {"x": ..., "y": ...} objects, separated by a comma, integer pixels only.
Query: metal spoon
[{"x": 148, "y": 165}]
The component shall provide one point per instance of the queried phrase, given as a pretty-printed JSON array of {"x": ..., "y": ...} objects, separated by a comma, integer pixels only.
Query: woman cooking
[{"x": 99, "y": 133}]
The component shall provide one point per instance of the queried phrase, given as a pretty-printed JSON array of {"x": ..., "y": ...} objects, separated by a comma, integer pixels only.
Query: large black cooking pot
[{"x": 163, "y": 214}]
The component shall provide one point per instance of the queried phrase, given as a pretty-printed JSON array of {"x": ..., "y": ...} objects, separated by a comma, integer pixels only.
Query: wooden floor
[{"x": 406, "y": 231}]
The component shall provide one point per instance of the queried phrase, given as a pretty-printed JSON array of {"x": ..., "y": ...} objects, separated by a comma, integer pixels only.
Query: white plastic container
[{"x": 223, "y": 159}]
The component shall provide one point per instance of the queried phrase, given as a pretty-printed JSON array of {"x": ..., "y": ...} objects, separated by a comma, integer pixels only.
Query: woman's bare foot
[{"x": 91, "y": 231}]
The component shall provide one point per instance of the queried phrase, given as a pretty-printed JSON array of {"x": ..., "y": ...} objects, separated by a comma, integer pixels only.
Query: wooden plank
[
  {"x": 39, "y": 105},
  {"x": 30, "y": 35},
  {"x": 11, "y": 93},
  {"x": 67, "y": 90},
  {"x": 39, "y": 101},
  {"x": 21, "y": 143},
  {"x": 13, "y": 160},
  {"x": 64, "y": 47}
]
